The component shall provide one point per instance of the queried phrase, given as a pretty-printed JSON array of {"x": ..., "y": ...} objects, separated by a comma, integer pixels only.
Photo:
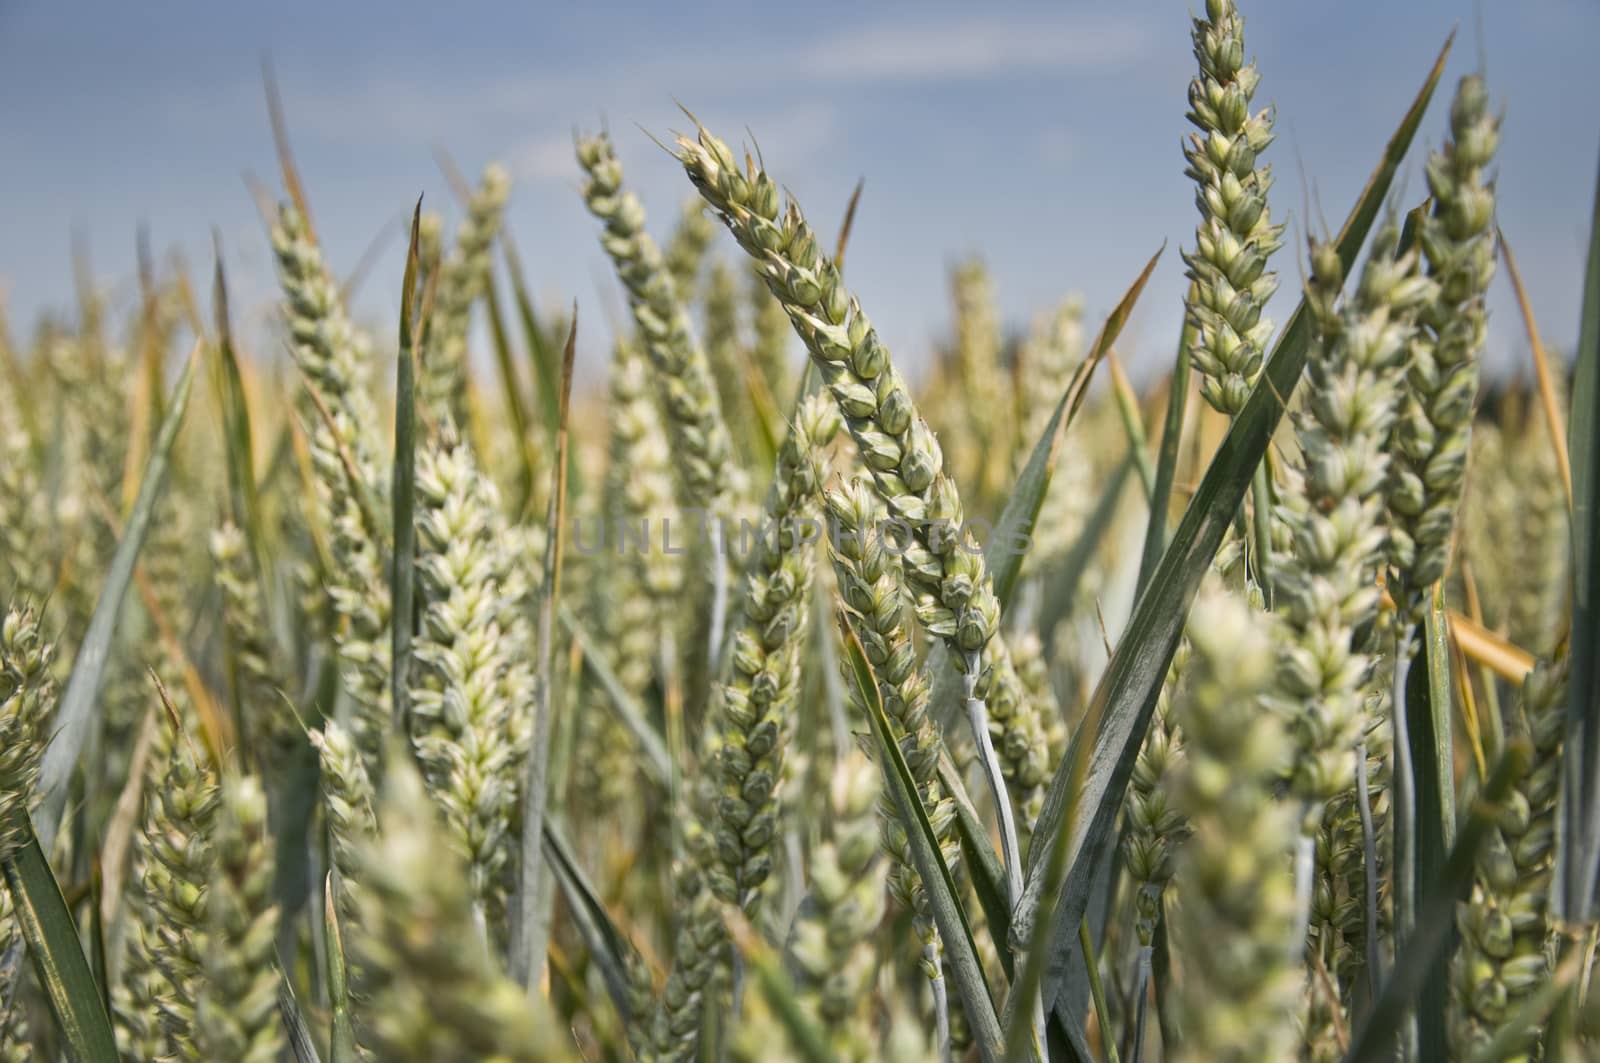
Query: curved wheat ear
[
  {"x": 442, "y": 380},
  {"x": 236, "y": 1016},
  {"x": 1233, "y": 929},
  {"x": 950, "y": 585},
  {"x": 1236, "y": 236},
  {"x": 694, "y": 414},
  {"x": 340, "y": 422},
  {"x": 1435, "y": 427}
]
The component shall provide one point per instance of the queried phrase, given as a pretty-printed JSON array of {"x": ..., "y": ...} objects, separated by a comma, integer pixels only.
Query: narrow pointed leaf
[
  {"x": 1155, "y": 536},
  {"x": 531, "y": 898},
  {"x": 76, "y": 1002},
  {"x": 239, "y": 441},
  {"x": 510, "y": 382},
  {"x": 1428, "y": 709},
  {"x": 546, "y": 363},
  {"x": 1578, "y": 855},
  {"x": 403, "y": 487},
  {"x": 608, "y": 947}
]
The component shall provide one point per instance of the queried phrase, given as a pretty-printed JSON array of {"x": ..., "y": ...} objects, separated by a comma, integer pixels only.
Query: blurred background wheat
[{"x": 553, "y": 620}]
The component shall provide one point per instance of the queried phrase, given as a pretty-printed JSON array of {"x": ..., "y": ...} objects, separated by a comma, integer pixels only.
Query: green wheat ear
[
  {"x": 1505, "y": 924},
  {"x": 1434, "y": 432},
  {"x": 27, "y": 703},
  {"x": 236, "y": 1016},
  {"x": 340, "y": 420},
  {"x": 1235, "y": 913},
  {"x": 430, "y": 988},
  {"x": 1236, "y": 236},
  {"x": 442, "y": 383},
  {"x": 690, "y": 403}
]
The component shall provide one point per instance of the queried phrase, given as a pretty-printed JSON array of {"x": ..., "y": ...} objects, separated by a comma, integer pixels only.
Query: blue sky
[{"x": 1044, "y": 136}]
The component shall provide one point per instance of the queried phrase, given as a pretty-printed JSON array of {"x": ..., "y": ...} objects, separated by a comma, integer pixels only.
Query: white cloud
[
  {"x": 424, "y": 106},
  {"x": 979, "y": 47}
]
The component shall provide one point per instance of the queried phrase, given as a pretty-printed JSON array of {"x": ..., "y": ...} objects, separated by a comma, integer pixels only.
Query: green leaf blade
[
  {"x": 76, "y": 1001},
  {"x": 1578, "y": 855},
  {"x": 948, "y": 914}
]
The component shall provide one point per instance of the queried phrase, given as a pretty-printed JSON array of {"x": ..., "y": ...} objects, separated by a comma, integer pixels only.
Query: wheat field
[{"x": 381, "y": 694}]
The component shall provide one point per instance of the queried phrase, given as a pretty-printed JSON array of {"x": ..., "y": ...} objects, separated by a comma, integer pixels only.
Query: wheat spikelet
[
  {"x": 1435, "y": 426},
  {"x": 831, "y": 946},
  {"x": 1505, "y": 924},
  {"x": 1236, "y": 236},
  {"x": 338, "y": 417},
  {"x": 1235, "y": 918},
  {"x": 236, "y": 1015},
  {"x": 442, "y": 376},
  {"x": 432, "y": 991},
  {"x": 693, "y": 412},
  {"x": 950, "y": 584},
  {"x": 27, "y": 703},
  {"x": 469, "y": 736}
]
